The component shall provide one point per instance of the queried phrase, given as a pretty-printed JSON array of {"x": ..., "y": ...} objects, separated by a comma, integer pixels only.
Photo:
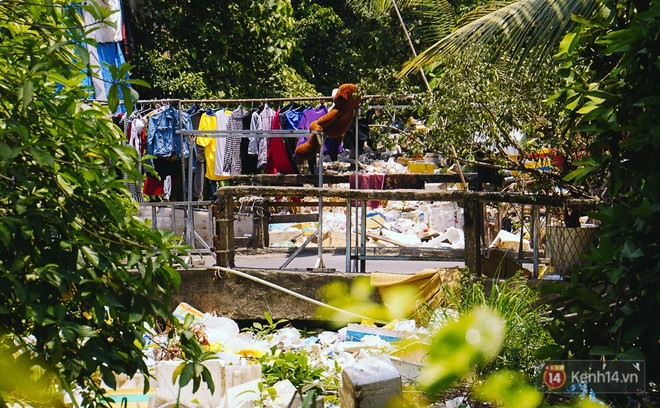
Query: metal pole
[
  {"x": 319, "y": 261},
  {"x": 348, "y": 236},
  {"x": 536, "y": 224},
  {"x": 191, "y": 144},
  {"x": 363, "y": 236},
  {"x": 187, "y": 227},
  {"x": 357, "y": 187}
]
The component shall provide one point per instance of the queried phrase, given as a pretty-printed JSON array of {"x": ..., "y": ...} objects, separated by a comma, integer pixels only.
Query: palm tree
[{"x": 523, "y": 28}]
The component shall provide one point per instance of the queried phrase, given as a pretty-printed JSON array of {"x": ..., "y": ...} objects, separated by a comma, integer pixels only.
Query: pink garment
[
  {"x": 368, "y": 182},
  {"x": 277, "y": 161}
]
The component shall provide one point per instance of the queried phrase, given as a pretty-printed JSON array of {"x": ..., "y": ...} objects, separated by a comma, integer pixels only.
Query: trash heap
[
  {"x": 396, "y": 224},
  {"x": 360, "y": 365}
]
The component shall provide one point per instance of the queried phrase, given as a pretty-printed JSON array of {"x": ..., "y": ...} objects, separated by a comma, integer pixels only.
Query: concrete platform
[{"x": 242, "y": 299}]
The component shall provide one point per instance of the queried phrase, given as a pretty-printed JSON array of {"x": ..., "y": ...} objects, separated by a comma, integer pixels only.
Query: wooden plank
[
  {"x": 396, "y": 179},
  {"x": 406, "y": 195},
  {"x": 416, "y": 253},
  {"x": 229, "y": 208},
  {"x": 306, "y": 204},
  {"x": 471, "y": 211},
  {"x": 289, "y": 218}
]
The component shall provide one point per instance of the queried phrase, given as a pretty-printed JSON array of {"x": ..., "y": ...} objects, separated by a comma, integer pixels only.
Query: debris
[
  {"x": 370, "y": 383},
  {"x": 224, "y": 377},
  {"x": 507, "y": 240},
  {"x": 357, "y": 331}
]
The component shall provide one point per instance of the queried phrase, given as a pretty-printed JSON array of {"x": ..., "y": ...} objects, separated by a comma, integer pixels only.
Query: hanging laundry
[
  {"x": 265, "y": 123},
  {"x": 290, "y": 116},
  {"x": 278, "y": 161},
  {"x": 195, "y": 114},
  {"x": 103, "y": 32},
  {"x": 249, "y": 160},
  {"x": 232, "y": 161},
  {"x": 222, "y": 123},
  {"x": 162, "y": 141},
  {"x": 99, "y": 55},
  {"x": 209, "y": 122}
]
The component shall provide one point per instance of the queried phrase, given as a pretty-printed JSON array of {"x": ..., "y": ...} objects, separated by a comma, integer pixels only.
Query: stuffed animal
[{"x": 334, "y": 123}]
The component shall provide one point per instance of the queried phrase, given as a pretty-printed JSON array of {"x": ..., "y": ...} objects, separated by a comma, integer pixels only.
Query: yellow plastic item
[{"x": 421, "y": 167}]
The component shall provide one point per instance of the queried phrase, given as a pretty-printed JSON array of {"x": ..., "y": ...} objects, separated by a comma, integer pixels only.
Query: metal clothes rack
[
  {"x": 279, "y": 133},
  {"x": 191, "y": 235}
]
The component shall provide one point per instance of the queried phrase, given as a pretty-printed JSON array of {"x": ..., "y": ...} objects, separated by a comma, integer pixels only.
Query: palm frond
[
  {"x": 375, "y": 6},
  {"x": 435, "y": 19},
  {"x": 526, "y": 28},
  {"x": 481, "y": 11}
]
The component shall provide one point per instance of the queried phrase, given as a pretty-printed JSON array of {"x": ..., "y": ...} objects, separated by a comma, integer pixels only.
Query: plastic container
[{"x": 421, "y": 167}]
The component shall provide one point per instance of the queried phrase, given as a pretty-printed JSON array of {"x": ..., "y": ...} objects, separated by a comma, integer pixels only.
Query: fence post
[
  {"x": 219, "y": 234},
  {"x": 472, "y": 234},
  {"x": 231, "y": 248},
  {"x": 258, "y": 220}
]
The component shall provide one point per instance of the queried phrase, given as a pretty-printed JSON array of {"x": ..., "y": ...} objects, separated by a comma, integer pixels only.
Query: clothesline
[
  {"x": 292, "y": 98},
  {"x": 267, "y": 134},
  {"x": 243, "y": 100}
]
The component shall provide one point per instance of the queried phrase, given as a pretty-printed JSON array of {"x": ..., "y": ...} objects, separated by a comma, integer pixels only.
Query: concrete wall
[{"x": 239, "y": 298}]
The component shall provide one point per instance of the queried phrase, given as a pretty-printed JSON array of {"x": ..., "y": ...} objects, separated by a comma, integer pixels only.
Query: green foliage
[
  {"x": 277, "y": 48},
  {"x": 525, "y": 327},
  {"x": 610, "y": 67},
  {"x": 230, "y": 48},
  {"x": 357, "y": 302},
  {"x": 80, "y": 274},
  {"x": 194, "y": 354},
  {"x": 459, "y": 346},
  {"x": 295, "y": 366},
  {"x": 263, "y": 330},
  {"x": 509, "y": 390},
  {"x": 524, "y": 30}
]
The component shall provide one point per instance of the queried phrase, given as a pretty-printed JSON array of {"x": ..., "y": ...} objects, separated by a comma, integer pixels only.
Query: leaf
[
  {"x": 177, "y": 372},
  {"x": 139, "y": 82},
  {"x": 630, "y": 250},
  {"x": 28, "y": 93},
  {"x": 631, "y": 354},
  {"x": 601, "y": 351},
  {"x": 588, "y": 107},
  {"x": 592, "y": 299},
  {"x": 91, "y": 255},
  {"x": 5, "y": 235},
  {"x": 108, "y": 376},
  {"x": 208, "y": 379},
  {"x": 113, "y": 97},
  {"x": 567, "y": 44},
  {"x": 525, "y": 29},
  {"x": 577, "y": 173},
  {"x": 42, "y": 156},
  {"x": 129, "y": 100},
  {"x": 68, "y": 188}
]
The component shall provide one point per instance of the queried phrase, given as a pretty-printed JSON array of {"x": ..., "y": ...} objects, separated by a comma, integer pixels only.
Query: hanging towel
[{"x": 368, "y": 182}]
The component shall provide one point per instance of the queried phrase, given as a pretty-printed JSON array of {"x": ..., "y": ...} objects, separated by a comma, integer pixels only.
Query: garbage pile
[
  {"x": 359, "y": 365},
  {"x": 395, "y": 224}
]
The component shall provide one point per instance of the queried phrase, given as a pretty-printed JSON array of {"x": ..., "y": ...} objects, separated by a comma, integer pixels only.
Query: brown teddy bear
[{"x": 334, "y": 123}]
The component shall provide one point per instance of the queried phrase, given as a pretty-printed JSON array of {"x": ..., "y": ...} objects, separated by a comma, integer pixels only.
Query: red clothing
[
  {"x": 277, "y": 161},
  {"x": 368, "y": 182}
]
